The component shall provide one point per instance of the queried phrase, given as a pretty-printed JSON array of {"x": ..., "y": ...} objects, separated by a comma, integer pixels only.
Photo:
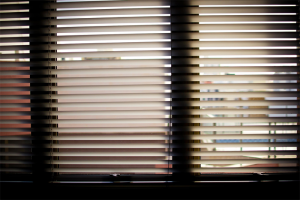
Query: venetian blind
[
  {"x": 113, "y": 86},
  {"x": 16, "y": 141},
  {"x": 238, "y": 63},
  {"x": 150, "y": 87}
]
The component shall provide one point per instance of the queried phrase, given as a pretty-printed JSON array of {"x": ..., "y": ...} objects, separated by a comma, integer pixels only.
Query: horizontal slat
[
  {"x": 97, "y": 29},
  {"x": 247, "y": 169},
  {"x": 210, "y": 55},
  {"x": 250, "y": 10},
  {"x": 191, "y": 10},
  {"x": 110, "y": 12},
  {"x": 155, "y": 145},
  {"x": 160, "y": 162},
  {"x": 16, "y": 170},
  {"x": 15, "y": 162},
  {"x": 235, "y": 36},
  {"x": 155, "y": 75},
  {"x": 85, "y": 121},
  {"x": 118, "y": 90},
  {"x": 105, "y": 98},
  {"x": 111, "y": 170},
  {"x": 153, "y": 28},
  {"x": 159, "y": 2},
  {"x": 234, "y": 2},
  {"x": 190, "y": 112},
  {"x": 152, "y": 170},
  {"x": 251, "y": 27},
  {"x": 162, "y": 104},
  {"x": 125, "y": 104},
  {"x": 163, "y": 112},
  {"x": 152, "y": 97},
  {"x": 112, "y": 128},
  {"x": 230, "y": 44},
  {"x": 192, "y": 120},
  {"x": 242, "y": 86},
  {"x": 93, "y": 13},
  {"x": 108, "y": 4},
  {"x": 112, "y": 54},
  {"x": 237, "y": 77},
  {"x": 193, "y": 145},
  {"x": 156, "y": 64},
  {"x": 163, "y": 128},
  {"x": 157, "y": 170},
  {"x": 96, "y": 37},
  {"x": 136, "y": 136},
  {"x": 163, "y": 162},
  {"x": 243, "y": 53},
  {"x": 166, "y": 55},
  {"x": 15, "y": 117},
  {"x": 149, "y": 153},
  {"x": 255, "y": 36},
  {"x": 92, "y": 81},
  {"x": 172, "y": 137},
  {"x": 111, "y": 21},
  {"x": 98, "y": 46},
  {"x": 233, "y": 19},
  {"x": 176, "y": 72},
  {"x": 234, "y": 69}
]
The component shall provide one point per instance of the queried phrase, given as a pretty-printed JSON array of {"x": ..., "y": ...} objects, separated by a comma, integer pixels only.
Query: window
[{"x": 149, "y": 91}]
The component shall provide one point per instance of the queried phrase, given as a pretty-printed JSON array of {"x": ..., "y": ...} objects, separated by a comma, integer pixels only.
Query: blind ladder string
[{"x": 50, "y": 87}]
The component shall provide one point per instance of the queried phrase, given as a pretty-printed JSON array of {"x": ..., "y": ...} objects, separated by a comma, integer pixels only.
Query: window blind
[
  {"x": 113, "y": 96},
  {"x": 149, "y": 88},
  {"x": 237, "y": 64},
  {"x": 16, "y": 151}
]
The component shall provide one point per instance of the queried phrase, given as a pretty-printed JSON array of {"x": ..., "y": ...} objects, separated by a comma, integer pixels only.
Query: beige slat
[
  {"x": 249, "y": 10},
  {"x": 193, "y": 153},
  {"x": 162, "y": 162},
  {"x": 230, "y": 44},
  {"x": 237, "y": 86},
  {"x": 161, "y": 104},
  {"x": 238, "y": 77},
  {"x": 156, "y": 145},
  {"x": 190, "y": 111},
  {"x": 241, "y": 53},
  {"x": 97, "y": 46},
  {"x": 247, "y": 169},
  {"x": 161, "y": 119},
  {"x": 235, "y": 69},
  {"x": 111, "y": 170},
  {"x": 116, "y": 20},
  {"x": 161, "y": 96},
  {"x": 109, "y": 12},
  {"x": 163, "y": 129},
  {"x": 99, "y": 36},
  {"x": 152, "y": 170},
  {"x": 284, "y": 18},
  {"x": 109, "y": 4},
  {"x": 137, "y": 136},
  {"x": 234, "y": 2},
  {"x": 103, "y": 55}
]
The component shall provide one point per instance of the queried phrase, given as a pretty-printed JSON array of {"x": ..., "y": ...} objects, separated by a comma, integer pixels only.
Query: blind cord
[
  {"x": 170, "y": 112},
  {"x": 50, "y": 87}
]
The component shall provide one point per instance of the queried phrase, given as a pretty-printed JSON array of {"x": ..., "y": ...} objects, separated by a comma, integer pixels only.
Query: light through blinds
[
  {"x": 174, "y": 89},
  {"x": 237, "y": 63},
  {"x": 15, "y": 97},
  {"x": 112, "y": 87}
]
